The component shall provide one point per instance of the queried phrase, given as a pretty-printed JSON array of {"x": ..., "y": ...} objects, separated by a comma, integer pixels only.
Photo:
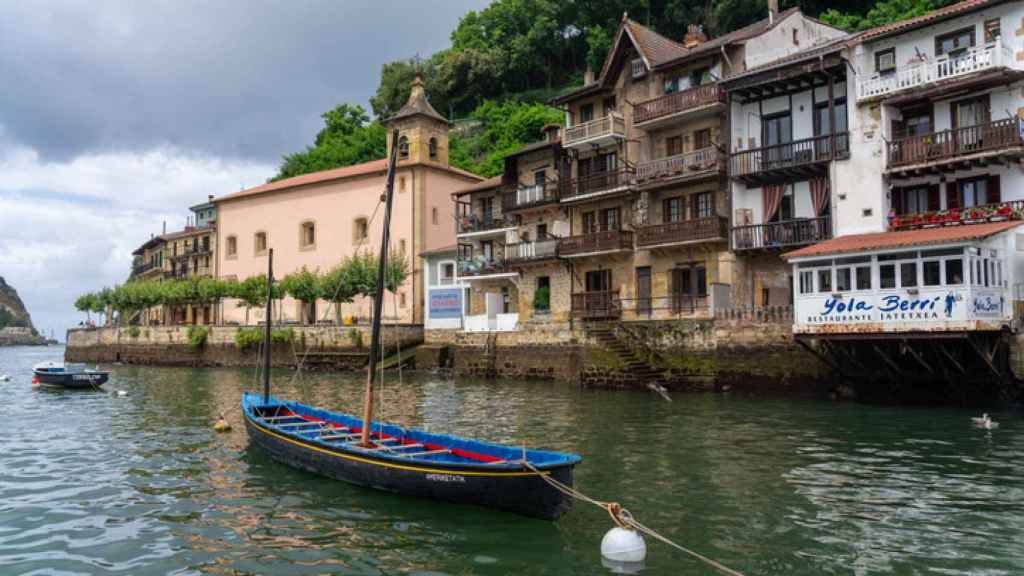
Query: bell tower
[{"x": 422, "y": 132}]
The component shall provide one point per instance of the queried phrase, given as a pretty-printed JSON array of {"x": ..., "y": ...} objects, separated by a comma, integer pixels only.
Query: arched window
[
  {"x": 232, "y": 246},
  {"x": 403, "y": 147},
  {"x": 433, "y": 148},
  {"x": 260, "y": 243}
]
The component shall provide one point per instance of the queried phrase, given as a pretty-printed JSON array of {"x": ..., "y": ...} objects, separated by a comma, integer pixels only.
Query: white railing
[
  {"x": 530, "y": 194},
  {"x": 496, "y": 323},
  {"x": 610, "y": 125},
  {"x": 547, "y": 248},
  {"x": 698, "y": 160},
  {"x": 988, "y": 56}
]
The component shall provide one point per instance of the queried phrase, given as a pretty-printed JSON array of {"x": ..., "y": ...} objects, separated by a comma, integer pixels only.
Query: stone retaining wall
[{"x": 321, "y": 346}]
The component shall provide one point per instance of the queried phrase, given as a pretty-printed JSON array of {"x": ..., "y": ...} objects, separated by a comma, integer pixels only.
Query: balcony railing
[
  {"x": 596, "y": 305},
  {"x": 1011, "y": 210},
  {"x": 680, "y": 165},
  {"x": 537, "y": 250},
  {"x": 678, "y": 102},
  {"x": 530, "y": 196},
  {"x": 790, "y": 154},
  {"x": 709, "y": 228},
  {"x": 143, "y": 268},
  {"x": 596, "y": 242},
  {"x": 474, "y": 223},
  {"x": 482, "y": 266},
  {"x": 781, "y": 234},
  {"x": 947, "y": 67},
  {"x": 950, "y": 144},
  {"x": 597, "y": 183},
  {"x": 611, "y": 126}
]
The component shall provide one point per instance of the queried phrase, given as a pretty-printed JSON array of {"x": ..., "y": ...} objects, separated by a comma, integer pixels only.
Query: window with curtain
[
  {"x": 672, "y": 210},
  {"x": 703, "y": 205}
]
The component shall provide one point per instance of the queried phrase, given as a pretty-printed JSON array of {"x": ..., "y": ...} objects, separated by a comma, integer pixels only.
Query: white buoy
[
  {"x": 623, "y": 545},
  {"x": 121, "y": 393}
]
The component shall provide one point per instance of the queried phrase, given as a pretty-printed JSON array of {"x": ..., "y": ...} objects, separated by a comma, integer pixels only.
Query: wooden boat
[
  {"x": 57, "y": 374},
  {"x": 390, "y": 458}
]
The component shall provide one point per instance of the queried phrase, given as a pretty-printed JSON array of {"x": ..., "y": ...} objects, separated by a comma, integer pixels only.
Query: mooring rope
[{"x": 623, "y": 519}]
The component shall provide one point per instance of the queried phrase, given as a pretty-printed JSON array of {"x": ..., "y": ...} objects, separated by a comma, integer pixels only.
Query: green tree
[
  {"x": 883, "y": 12},
  {"x": 348, "y": 138},
  {"x": 84, "y": 303},
  {"x": 304, "y": 286},
  {"x": 339, "y": 286},
  {"x": 505, "y": 127}
]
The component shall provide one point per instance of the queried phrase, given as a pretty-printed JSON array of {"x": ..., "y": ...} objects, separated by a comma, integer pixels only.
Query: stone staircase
[{"x": 633, "y": 364}]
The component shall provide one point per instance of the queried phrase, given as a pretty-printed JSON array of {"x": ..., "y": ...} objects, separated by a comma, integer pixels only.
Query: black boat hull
[
  {"x": 89, "y": 380},
  {"x": 522, "y": 492}
]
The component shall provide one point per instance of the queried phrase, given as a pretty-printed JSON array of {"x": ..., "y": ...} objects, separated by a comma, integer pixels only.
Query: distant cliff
[{"x": 15, "y": 322}]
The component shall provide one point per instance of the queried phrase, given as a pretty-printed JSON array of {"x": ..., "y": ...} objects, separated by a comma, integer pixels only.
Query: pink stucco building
[{"x": 316, "y": 220}]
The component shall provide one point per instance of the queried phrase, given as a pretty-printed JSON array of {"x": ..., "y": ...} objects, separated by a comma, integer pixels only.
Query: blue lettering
[{"x": 890, "y": 303}]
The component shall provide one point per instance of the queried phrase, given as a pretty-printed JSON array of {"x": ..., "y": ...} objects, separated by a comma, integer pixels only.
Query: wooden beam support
[
  {"x": 907, "y": 347},
  {"x": 986, "y": 357},
  {"x": 950, "y": 357}
]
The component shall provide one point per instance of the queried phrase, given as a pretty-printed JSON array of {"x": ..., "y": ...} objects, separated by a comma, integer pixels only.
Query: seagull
[
  {"x": 985, "y": 422},
  {"x": 658, "y": 388},
  {"x": 980, "y": 420},
  {"x": 5, "y": 378}
]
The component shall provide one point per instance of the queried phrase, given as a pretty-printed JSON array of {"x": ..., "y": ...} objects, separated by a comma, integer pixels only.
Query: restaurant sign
[{"x": 445, "y": 303}]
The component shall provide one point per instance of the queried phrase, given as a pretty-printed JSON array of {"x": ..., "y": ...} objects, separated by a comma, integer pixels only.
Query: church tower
[{"x": 422, "y": 132}]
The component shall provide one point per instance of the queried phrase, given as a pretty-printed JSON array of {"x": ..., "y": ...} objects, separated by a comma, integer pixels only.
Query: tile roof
[
  {"x": 739, "y": 35},
  {"x": 654, "y": 47},
  {"x": 364, "y": 169},
  {"x": 450, "y": 249},
  {"x": 926, "y": 19},
  {"x": 903, "y": 239},
  {"x": 492, "y": 182}
]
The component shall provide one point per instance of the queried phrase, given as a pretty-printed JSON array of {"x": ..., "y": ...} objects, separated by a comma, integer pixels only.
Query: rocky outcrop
[{"x": 15, "y": 323}]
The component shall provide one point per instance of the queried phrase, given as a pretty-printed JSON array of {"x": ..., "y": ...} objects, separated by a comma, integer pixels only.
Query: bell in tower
[{"x": 422, "y": 132}]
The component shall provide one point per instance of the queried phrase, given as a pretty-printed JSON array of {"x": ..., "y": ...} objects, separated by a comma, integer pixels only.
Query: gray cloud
[{"x": 244, "y": 79}]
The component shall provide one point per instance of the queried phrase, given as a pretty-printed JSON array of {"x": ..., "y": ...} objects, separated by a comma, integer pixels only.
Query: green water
[{"x": 95, "y": 484}]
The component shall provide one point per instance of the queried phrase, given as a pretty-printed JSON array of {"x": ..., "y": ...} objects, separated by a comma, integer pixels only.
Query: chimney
[
  {"x": 773, "y": 10},
  {"x": 588, "y": 76},
  {"x": 552, "y": 133},
  {"x": 694, "y": 36}
]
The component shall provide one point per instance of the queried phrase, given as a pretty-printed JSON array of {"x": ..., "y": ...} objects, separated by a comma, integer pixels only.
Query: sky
[{"x": 117, "y": 116}]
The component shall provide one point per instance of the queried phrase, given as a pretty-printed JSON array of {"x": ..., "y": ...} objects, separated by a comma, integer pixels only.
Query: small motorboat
[{"x": 58, "y": 374}]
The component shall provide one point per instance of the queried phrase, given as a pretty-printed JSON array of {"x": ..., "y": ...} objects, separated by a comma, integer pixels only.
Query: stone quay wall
[
  {"x": 328, "y": 347},
  {"x": 737, "y": 349}
]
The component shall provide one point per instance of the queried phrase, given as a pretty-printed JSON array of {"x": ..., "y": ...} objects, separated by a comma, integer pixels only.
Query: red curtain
[
  {"x": 772, "y": 200},
  {"x": 819, "y": 195}
]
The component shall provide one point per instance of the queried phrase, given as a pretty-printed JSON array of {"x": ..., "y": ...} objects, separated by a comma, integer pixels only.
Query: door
[
  {"x": 494, "y": 303},
  {"x": 643, "y": 291},
  {"x": 777, "y": 131},
  {"x": 597, "y": 300},
  {"x": 969, "y": 119}
]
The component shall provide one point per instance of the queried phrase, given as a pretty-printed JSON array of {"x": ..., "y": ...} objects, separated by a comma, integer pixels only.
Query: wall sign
[{"x": 445, "y": 303}]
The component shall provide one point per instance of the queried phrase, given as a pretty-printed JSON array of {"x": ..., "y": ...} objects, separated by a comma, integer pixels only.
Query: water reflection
[{"x": 93, "y": 483}]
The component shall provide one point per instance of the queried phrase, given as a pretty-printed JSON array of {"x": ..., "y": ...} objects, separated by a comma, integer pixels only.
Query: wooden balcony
[
  {"x": 790, "y": 160},
  {"x": 596, "y": 305},
  {"x": 477, "y": 267},
  {"x": 475, "y": 224},
  {"x": 602, "y": 242},
  {"x": 799, "y": 159},
  {"x": 967, "y": 147},
  {"x": 912, "y": 78},
  {"x": 598, "y": 185},
  {"x": 710, "y": 229},
  {"x": 1001, "y": 211},
  {"x": 536, "y": 251},
  {"x": 601, "y": 132},
  {"x": 678, "y": 105},
  {"x": 694, "y": 165},
  {"x": 784, "y": 234},
  {"x": 524, "y": 197}
]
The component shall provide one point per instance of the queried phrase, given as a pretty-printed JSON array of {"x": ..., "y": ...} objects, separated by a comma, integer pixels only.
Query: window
[
  {"x": 992, "y": 30},
  {"x": 700, "y": 76},
  {"x": 932, "y": 272},
  {"x": 542, "y": 297},
  {"x": 447, "y": 273},
  {"x": 916, "y": 200},
  {"x": 672, "y": 210},
  {"x": 540, "y": 177},
  {"x": 863, "y": 277},
  {"x": 908, "y": 274},
  {"x": 487, "y": 208},
  {"x": 542, "y": 231},
  {"x": 608, "y": 105},
  {"x": 702, "y": 139},
  {"x": 776, "y": 129},
  {"x": 638, "y": 68},
  {"x": 487, "y": 250},
  {"x": 433, "y": 148},
  {"x": 954, "y": 272},
  {"x": 401, "y": 246},
  {"x": 823, "y": 120},
  {"x": 589, "y": 223},
  {"x": 671, "y": 85},
  {"x": 260, "y": 242},
  {"x": 433, "y": 216},
  {"x": 825, "y": 280},
  {"x": 806, "y": 281},
  {"x": 586, "y": 113},
  {"x": 307, "y": 235},
  {"x": 885, "y": 61},
  {"x": 785, "y": 211},
  {"x": 401, "y": 299},
  {"x": 887, "y": 276},
  {"x": 610, "y": 219},
  {"x": 673, "y": 145},
  {"x": 973, "y": 192},
  {"x": 702, "y": 205},
  {"x": 360, "y": 230},
  {"x": 954, "y": 43},
  {"x": 401, "y": 184},
  {"x": 843, "y": 277},
  {"x": 403, "y": 148},
  {"x": 916, "y": 121}
]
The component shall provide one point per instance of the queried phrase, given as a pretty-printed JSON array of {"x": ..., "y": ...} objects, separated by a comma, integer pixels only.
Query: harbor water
[{"x": 94, "y": 483}]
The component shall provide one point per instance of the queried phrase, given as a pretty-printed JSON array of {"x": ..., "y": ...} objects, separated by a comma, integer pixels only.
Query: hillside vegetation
[{"x": 508, "y": 59}]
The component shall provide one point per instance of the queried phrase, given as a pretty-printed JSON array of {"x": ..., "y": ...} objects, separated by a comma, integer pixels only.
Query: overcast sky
[{"x": 116, "y": 116}]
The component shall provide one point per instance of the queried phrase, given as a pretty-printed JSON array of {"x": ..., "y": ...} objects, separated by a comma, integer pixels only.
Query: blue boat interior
[{"x": 391, "y": 442}]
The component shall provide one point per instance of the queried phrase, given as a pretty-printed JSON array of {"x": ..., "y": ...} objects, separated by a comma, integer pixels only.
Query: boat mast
[
  {"x": 378, "y": 300},
  {"x": 266, "y": 328}
]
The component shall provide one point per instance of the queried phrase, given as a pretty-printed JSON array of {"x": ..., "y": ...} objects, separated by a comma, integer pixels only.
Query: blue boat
[{"x": 394, "y": 459}]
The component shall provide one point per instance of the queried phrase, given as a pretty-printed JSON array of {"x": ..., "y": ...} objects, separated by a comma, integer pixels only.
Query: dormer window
[{"x": 638, "y": 68}]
